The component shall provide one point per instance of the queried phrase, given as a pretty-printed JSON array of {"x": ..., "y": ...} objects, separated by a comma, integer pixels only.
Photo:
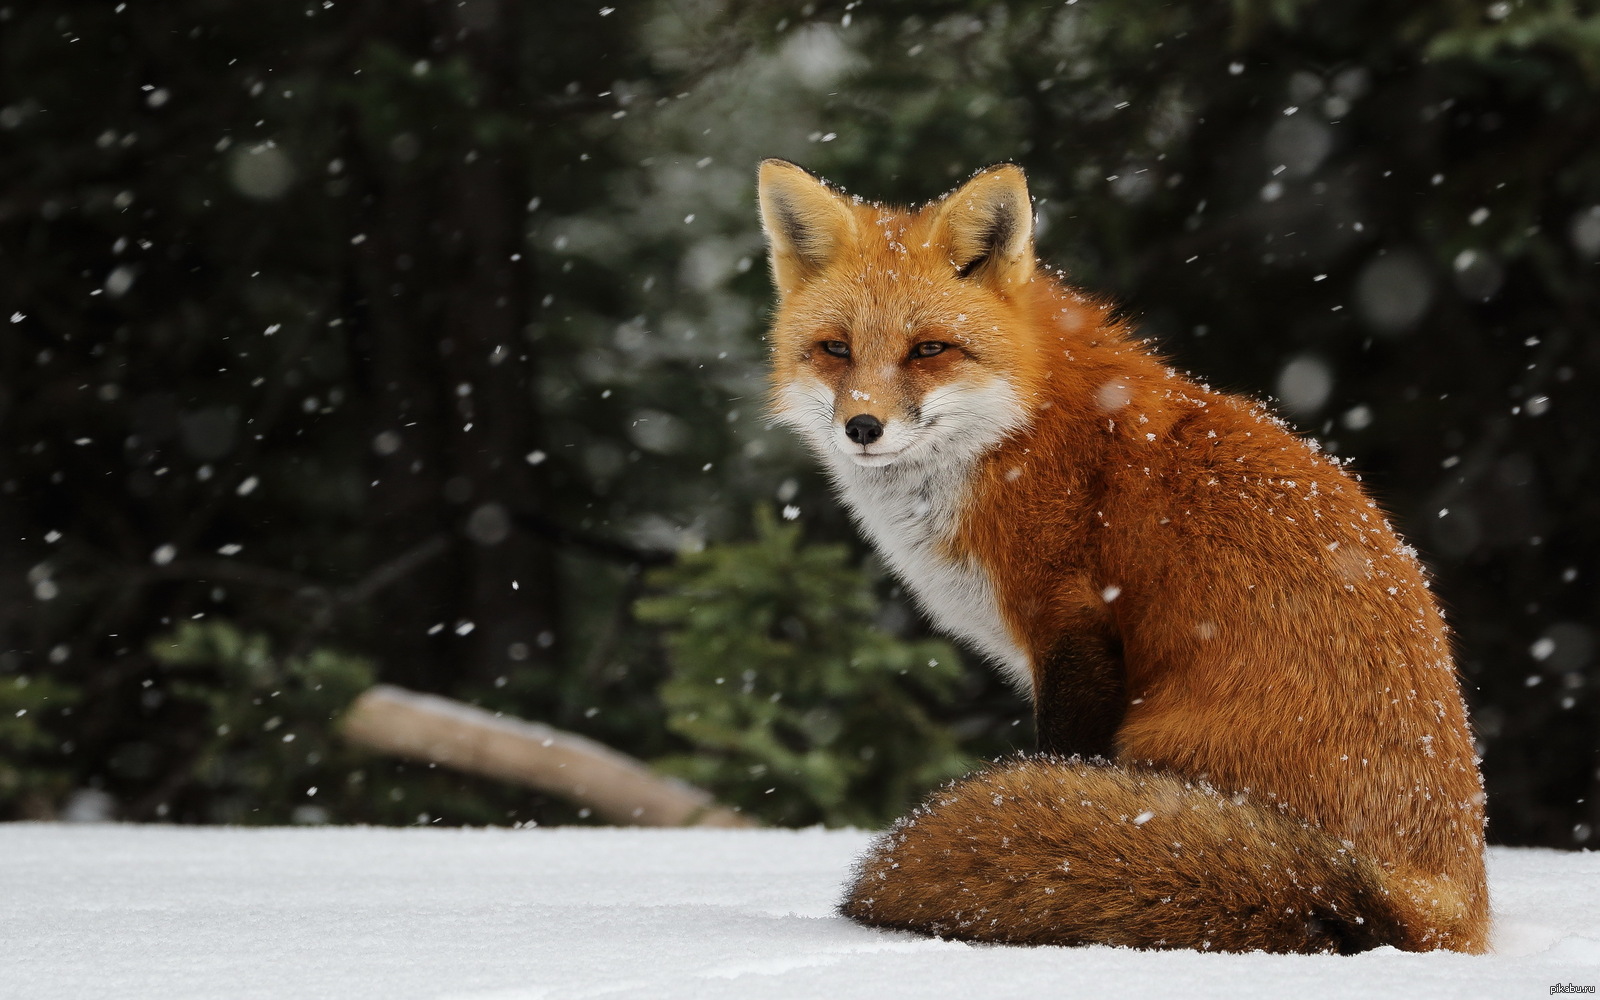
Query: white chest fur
[{"x": 910, "y": 512}]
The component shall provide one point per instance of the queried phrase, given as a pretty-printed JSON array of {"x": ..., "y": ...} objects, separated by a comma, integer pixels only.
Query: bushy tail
[{"x": 1054, "y": 851}]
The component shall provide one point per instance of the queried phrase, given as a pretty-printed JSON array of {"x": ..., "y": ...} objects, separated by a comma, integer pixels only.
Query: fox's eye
[
  {"x": 837, "y": 348},
  {"x": 928, "y": 348}
]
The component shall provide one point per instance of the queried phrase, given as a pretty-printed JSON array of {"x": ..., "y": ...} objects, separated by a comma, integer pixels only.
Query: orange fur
[{"x": 1185, "y": 587}]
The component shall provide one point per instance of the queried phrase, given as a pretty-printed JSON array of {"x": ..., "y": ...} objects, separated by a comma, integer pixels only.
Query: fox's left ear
[{"x": 987, "y": 224}]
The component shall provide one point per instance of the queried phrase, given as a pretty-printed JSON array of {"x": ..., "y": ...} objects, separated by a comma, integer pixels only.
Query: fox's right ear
[{"x": 807, "y": 223}]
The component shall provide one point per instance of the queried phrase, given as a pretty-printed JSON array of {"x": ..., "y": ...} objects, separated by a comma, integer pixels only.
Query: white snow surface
[{"x": 172, "y": 912}]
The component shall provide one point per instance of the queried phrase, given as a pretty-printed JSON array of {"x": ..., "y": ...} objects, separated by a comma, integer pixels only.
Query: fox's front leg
[{"x": 1079, "y": 696}]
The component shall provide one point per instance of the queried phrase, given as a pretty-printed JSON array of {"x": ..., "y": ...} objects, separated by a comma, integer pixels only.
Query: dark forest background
[{"x": 421, "y": 342}]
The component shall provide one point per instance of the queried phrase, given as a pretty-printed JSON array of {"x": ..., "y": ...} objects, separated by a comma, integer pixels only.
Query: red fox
[{"x": 1251, "y": 729}]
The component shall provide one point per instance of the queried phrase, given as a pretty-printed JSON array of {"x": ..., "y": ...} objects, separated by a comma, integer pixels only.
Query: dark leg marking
[{"x": 1081, "y": 697}]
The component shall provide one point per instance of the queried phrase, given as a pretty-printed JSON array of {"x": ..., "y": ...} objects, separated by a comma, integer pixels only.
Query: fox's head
[{"x": 900, "y": 335}]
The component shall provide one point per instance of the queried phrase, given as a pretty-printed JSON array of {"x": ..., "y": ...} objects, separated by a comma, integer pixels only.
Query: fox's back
[{"x": 1276, "y": 635}]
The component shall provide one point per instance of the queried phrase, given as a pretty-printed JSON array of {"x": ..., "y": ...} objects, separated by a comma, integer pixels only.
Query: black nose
[{"x": 863, "y": 429}]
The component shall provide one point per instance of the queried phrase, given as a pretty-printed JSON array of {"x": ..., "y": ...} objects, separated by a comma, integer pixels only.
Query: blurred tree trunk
[
  {"x": 488, "y": 365},
  {"x": 447, "y": 289}
]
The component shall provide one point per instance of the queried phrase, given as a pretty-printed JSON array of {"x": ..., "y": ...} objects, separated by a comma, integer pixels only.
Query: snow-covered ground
[{"x": 170, "y": 912}]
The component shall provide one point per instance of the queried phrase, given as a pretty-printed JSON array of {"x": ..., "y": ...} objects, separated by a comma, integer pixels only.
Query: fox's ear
[
  {"x": 988, "y": 226},
  {"x": 807, "y": 222}
]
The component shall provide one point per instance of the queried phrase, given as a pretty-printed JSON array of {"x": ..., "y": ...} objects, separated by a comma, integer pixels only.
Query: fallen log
[{"x": 616, "y": 786}]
